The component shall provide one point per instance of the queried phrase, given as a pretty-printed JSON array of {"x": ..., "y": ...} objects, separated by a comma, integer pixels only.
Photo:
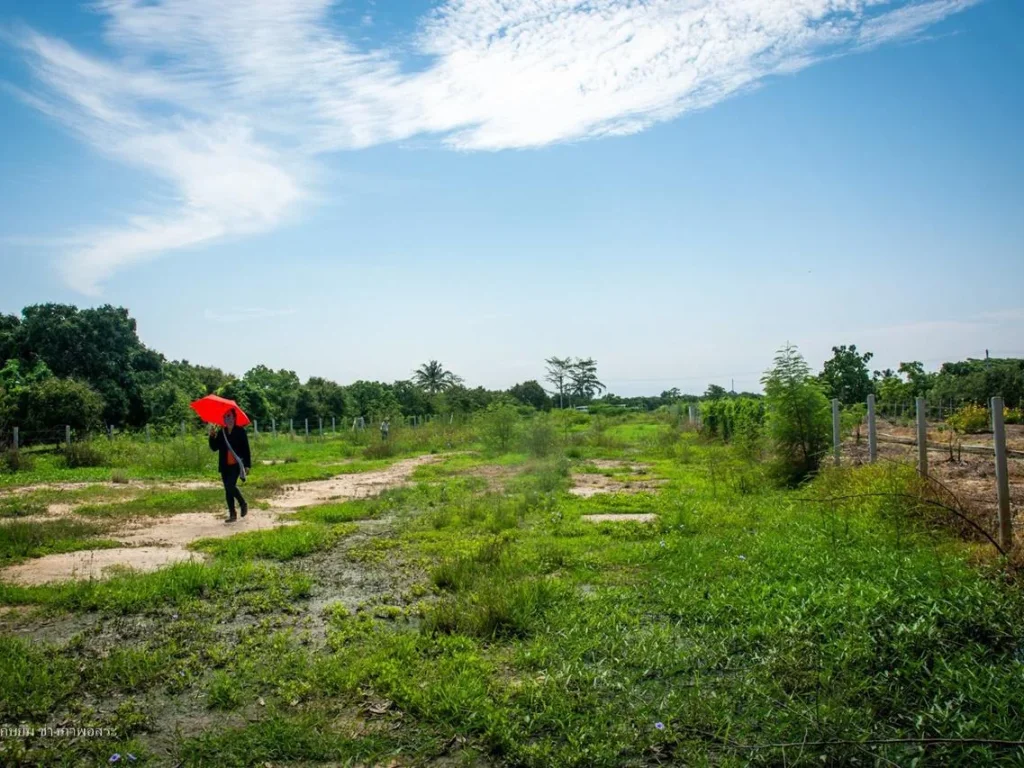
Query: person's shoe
[
  {"x": 230, "y": 519},
  {"x": 245, "y": 509}
]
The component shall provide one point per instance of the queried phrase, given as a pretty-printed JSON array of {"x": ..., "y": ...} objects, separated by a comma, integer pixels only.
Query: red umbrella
[{"x": 212, "y": 409}]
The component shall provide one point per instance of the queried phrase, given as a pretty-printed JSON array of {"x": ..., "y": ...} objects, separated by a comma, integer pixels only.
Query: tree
[
  {"x": 798, "y": 418},
  {"x": 280, "y": 388},
  {"x": 845, "y": 376},
  {"x": 557, "y": 374},
  {"x": 252, "y": 399},
  {"x": 54, "y": 402},
  {"x": 671, "y": 395},
  {"x": 531, "y": 393},
  {"x": 715, "y": 392},
  {"x": 413, "y": 400},
  {"x": 583, "y": 380},
  {"x": 434, "y": 379}
]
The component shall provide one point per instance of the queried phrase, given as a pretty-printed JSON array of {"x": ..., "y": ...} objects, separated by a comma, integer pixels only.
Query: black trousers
[{"x": 230, "y": 477}]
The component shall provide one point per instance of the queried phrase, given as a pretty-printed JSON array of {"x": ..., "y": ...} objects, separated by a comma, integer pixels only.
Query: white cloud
[{"x": 229, "y": 102}]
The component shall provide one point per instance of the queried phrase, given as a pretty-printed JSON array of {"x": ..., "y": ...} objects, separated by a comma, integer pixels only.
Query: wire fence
[{"x": 317, "y": 428}]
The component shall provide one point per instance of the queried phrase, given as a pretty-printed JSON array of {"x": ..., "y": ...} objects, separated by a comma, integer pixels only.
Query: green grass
[
  {"x": 284, "y": 543},
  {"x": 21, "y": 540},
  {"x": 746, "y": 616},
  {"x": 158, "y": 503}
]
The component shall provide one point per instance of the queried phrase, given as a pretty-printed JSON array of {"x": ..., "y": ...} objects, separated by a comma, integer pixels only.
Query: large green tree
[
  {"x": 845, "y": 376},
  {"x": 434, "y": 378},
  {"x": 531, "y": 393},
  {"x": 583, "y": 381},
  {"x": 53, "y": 403}
]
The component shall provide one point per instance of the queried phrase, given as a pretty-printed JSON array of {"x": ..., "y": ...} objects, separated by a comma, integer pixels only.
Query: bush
[
  {"x": 14, "y": 460},
  {"x": 83, "y": 455},
  {"x": 969, "y": 419},
  {"x": 498, "y": 426},
  {"x": 798, "y": 419},
  {"x": 541, "y": 438},
  {"x": 1013, "y": 415},
  {"x": 382, "y": 450}
]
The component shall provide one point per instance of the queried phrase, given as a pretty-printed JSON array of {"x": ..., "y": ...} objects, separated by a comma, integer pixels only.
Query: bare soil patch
[
  {"x": 588, "y": 484},
  {"x": 645, "y": 517},
  {"x": 153, "y": 543}
]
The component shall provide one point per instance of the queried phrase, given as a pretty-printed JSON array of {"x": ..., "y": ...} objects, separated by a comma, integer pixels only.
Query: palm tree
[{"x": 433, "y": 378}]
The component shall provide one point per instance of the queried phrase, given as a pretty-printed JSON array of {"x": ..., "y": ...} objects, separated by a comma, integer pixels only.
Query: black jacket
[{"x": 239, "y": 441}]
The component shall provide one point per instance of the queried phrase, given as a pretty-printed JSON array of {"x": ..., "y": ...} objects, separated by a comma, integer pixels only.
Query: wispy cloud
[{"x": 229, "y": 103}]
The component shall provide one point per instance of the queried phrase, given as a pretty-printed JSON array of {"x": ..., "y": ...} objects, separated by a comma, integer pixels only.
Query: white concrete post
[
  {"x": 334, "y": 429},
  {"x": 67, "y": 435},
  {"x": 307, "y": 427},
  {"x": 321, "y": 425},
  {"x": 922, "y": 437},
  {"x": 15, "y": 438},
  {"x": 256, "y": 427},
  {"x": 872, "y": 431},
  {"x": 1002, "y": 478},
  {"x": 147, "y": 433},
  {"x": 273, "y": 426},
  {"x": 835, "y": 431},
  {"x": 182, "y": 429}
]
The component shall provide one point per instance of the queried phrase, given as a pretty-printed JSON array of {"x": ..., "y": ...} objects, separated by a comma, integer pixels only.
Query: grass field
[{"x": 475, "y": 617}]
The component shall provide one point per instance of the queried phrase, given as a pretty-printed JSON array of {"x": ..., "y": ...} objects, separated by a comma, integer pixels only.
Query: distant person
[
  {"x": 234, "y": 463},
  {"x": 385, "y": 428}
]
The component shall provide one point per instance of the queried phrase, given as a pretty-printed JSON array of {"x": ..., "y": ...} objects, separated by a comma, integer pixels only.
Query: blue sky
[{"x": 674, "y": 187}]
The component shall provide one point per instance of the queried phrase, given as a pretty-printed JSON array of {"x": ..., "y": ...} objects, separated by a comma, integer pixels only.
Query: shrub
[
  {"x": 969, "y": 419},
  {"x": 798, "y": 419},
  {"x": 382, "y": 450},
  {"x": 83, "y": 455},
  {"x": 541, "y": 438},
  {"x": 14, "y": 460},
  {"x": 1013, "y": 415},
  {"x": 498, "y": 426},
  {"x": 119, "y": 476}
]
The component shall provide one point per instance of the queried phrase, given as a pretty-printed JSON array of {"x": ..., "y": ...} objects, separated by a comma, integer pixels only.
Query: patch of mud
[
  {"x": 151, "y": 544},
  {"x": 93, "y": 564},
  {"x": 644, "y": 517},
  {"x": 131, "y": 485},
  {"x": 354, "y": 486}
]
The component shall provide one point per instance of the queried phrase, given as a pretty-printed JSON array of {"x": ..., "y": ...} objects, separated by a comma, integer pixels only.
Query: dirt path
[{"x": 152, "y": 543}]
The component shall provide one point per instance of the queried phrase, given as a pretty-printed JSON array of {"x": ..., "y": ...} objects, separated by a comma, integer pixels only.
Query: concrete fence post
[
  {"x": 256, "y": 427},
  {"x": 922, "y": 437},
  {"x": 835, "y": 431},
  {"x": 273, "y": 426},
  {"x": 67, "y": 435},
  {"x": 321, "y": 425},
  {"x": 291, "y": 426},
  {"x": 334, "y": 429},
  {"x": 307, "y": 427},
  {"x": 183, "y": 429},
  {"x": 15, "y": 438},
  {"x": 1002, "y": 478},
  {"x": 872, "y": 431},
  {"x": 147, "y": 433},
  {"x": 110, "y": 430}
]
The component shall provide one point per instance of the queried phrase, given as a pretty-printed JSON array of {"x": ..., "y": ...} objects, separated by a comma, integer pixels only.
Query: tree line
[{"x": 88, "y": 368}]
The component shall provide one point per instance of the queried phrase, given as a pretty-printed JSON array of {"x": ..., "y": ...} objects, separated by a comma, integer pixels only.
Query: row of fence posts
[
  {"x": 359, "y": 422},
  {"x": 998, "y": 439}
]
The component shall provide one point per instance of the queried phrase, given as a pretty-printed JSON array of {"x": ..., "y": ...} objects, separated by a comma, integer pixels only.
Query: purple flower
[
  {"x": 115, "y": 757},
  {"x": 660, "y": 726}
]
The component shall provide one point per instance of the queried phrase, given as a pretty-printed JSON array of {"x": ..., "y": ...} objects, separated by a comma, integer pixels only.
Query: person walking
[{"x": 235, "y": 461}]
